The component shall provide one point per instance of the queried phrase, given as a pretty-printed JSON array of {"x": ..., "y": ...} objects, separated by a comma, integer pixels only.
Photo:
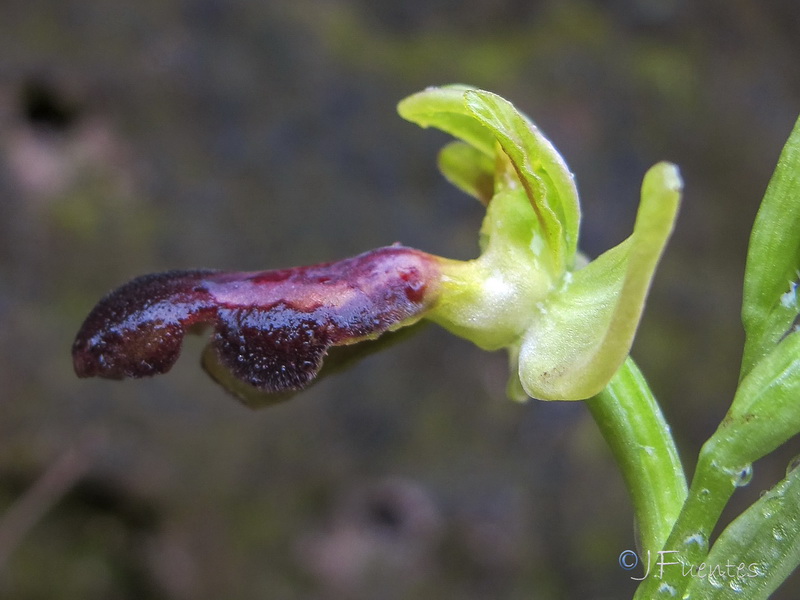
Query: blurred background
[{"x": 147, "y": 136}]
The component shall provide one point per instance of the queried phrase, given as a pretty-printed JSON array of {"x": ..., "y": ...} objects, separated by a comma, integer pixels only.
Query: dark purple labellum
[{"x": 271, "y": 328}]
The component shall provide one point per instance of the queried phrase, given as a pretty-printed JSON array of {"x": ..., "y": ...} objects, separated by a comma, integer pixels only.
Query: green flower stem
[
  {"x": 764, "y": 414},
  {"x": 634, "y": 427},
  {"x": 712, "y": 487}
]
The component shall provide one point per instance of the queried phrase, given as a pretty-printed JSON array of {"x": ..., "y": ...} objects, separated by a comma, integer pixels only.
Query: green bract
[
  {"x": 568, "y": 327},
  {"x": 771, "y": 305}
]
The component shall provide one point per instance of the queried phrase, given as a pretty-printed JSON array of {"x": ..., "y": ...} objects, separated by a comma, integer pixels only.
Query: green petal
[
  {"x": 585, "y": 330},
  {"x": 468, "y": 169},
  {"x": 771, "y": 304}
]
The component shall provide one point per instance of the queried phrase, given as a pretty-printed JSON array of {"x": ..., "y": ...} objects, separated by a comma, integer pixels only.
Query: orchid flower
[{"x": 567, "y": 323}]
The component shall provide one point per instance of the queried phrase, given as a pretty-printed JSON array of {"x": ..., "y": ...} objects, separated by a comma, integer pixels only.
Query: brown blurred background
[{"x": 146, "y": 136}]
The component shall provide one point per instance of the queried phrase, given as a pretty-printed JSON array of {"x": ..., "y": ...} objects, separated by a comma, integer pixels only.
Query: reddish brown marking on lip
[
  {"x": 415, "y": 288},
  {"x": 271, "y": 328}
]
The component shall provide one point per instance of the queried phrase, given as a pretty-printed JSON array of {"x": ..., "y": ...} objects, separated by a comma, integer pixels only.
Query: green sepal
[
  {"x": 444, "y": 108},
  {"x": 481, "y": 118},
  {"x": 514, "y": 389},
  {"x": 586, "y": 328},
  {"x": 573, "y": 329},
  {"x": 541, "y": 170}
]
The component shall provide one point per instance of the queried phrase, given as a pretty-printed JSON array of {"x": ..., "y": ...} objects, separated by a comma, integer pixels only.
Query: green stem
[
  {"x": 634, "y": 428},
  {"x": 764, "y": 414},
  {"x": 687, "y": 547}
]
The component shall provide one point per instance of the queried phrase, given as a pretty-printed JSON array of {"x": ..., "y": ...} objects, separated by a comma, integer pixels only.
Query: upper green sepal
[
  {"x": 485, "y": 120},
  {"x": 445, "y": 109},
  {"x": 542, "y": 172}
]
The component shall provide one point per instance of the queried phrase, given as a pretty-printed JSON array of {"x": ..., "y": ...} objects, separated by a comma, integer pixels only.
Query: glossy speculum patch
[{"x": 271, "y": 329}]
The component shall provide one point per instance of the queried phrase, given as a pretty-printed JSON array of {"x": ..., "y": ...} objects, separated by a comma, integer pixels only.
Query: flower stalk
[{"x": 633, "y": 426}]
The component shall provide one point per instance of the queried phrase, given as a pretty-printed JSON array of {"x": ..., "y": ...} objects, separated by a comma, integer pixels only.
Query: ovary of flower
[{"x": 497, "y": 289}]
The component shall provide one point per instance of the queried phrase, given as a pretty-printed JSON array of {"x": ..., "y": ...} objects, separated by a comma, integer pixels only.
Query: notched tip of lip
[
  {"x": 137, "y": 330},
  {"x": 272, "y": 329},
  {"x": 142, "y": 352}
]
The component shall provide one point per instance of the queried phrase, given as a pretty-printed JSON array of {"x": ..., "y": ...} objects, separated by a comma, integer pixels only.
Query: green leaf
[
  {"x": 764, "y": 540},
  {"x": 468, "y": 169},
  {"x": 765, "y": 412},
  {"x": 586, "y": 328},
  {"x": 770, "y": 304}
]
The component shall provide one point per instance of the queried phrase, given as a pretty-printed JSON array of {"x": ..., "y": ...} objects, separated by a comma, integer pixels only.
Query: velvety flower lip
[{"x": 271, "y": 329}]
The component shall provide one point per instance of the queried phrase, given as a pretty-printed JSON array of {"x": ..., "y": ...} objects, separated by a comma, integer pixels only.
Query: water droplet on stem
[{"x": 743, "y": 476}]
